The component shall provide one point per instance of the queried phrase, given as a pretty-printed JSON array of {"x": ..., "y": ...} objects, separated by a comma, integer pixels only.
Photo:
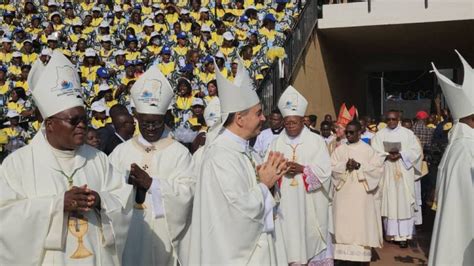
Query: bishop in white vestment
[
  {"x": 453, "y": 232},
  {"x": 59, "y": 204},
  {"x": 159, "y": 223},
  {"x": 232, "y": 222},
  {"x": 304, "y": 205},
  {"x": 403, "y": 158}
]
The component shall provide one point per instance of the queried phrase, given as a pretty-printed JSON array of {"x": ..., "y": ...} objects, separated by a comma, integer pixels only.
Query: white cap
[
  {"x": 12, "y": 113},
  {"x": 154, "y": 34},
  {"x": 152, "y": 93},
  {"x": 96, "y": 8},
  {"x": 197, "y": 101},
  {"x": 52, "y": 37},
  {"x": 47, "y": 51},
  {"x": 158, "y": 12},
  {"x": 77, "y": 23},
  {"x": 117, "y": 8},
  {"x": 292, "y": 103},
  {"x": 90, "y": 52},
  {"x": 6, "y": 40},
  {"x": 148, "y": 23},
  {"x": 58, "y": 87},
  {"x": 98, "y": 106},
  {"x": 460, "y": 98},
  {"x": 205, "y": 28},
  {"x": 251, "y": 7},
  {"x": 212, "y": 113},
  {"x": 228, "y": 36},
  {"x": 104, "y": 87},
  {"x": 184, "y": 11},
  {"x": 52, "y": 3},
  {"x": 220, "y": 55},
  {"x": 104, "y": 24},
  {"x": 203, "y": 9},
  {"x": 119, "y": 52},
  {"x": 106, "y": 38},
  {"x": 16, "y": 54}
]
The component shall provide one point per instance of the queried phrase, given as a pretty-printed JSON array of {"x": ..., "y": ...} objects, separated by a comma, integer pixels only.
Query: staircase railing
[{"x": 280, "y": 73}]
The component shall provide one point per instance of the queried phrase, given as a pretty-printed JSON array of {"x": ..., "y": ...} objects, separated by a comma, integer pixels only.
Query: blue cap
[
  {"x": 129, "y": 63},
  {"x": 67, "y": 5},
  {"x": 131, "y": 38},
  {"x": 36, "y": 17},
  {"x": 102, "y": 72},
  {"x": 19, "y": 29},
  {"x": 281, "y": 1},
  {"x": 139, "y": 62},
  {"x": 137, "y": 6},
  {"x": 244, "y": 18},
  {"x": 3, "y": 68},
  {"x": 208, "y": 59},
  {"x": 8, "y": 14},
  {"x": 166, "y": 50},
  {"x": 270, "y": 17},
  {"x": 181, "y": 35},
  {"x": 188, "y": 68}
]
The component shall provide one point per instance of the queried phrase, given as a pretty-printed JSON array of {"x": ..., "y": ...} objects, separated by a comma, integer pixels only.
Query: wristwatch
[{"x": 357, "y": 166}]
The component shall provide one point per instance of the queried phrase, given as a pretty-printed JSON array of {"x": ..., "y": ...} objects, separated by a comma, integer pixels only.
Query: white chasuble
[
  {"x": 304, "y": 205},
  {"x": 232, "y": 222},
  {"x": 398, "y": 182},
  {"x": 355, "y": 202},
  {"x": 453, "y": 232},
  {"x": 35, "y": 230},
  {"x": 157, "y": 230}
]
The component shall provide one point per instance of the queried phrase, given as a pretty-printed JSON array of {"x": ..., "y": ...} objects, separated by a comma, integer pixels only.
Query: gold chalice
[{"x": 78, "y": 228}]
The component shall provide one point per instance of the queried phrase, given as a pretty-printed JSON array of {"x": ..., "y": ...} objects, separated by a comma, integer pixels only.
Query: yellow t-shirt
[
  {"x": 130, "y": 56},
  {"x": 15, "y": 70},
  {"x": 87, "y": 7},
  {"x": 95, "y": 123},
  {"x": 23, "y": 84},
  {"x": 4, "y": 88},
  {"x": 172, "y": 18},
  {"x": 89, "y": 73},
  {"x": 96, "y": 22},
  {"x": 180, "y": 50},
  {"x": 15, "y": 107},
  {"x": 167, "y": 68},
  {"x": 137, "y": 28},
  {"x": 6, "y": 57},
  {"x": 184, "y": 103},
  {"x": 29, "y": 59}
]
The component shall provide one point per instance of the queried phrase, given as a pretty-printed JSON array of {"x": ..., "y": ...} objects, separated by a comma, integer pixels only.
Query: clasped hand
[
  {"x": 352, "y": 165},
  {"x": 273, "y": 169},
  {"x": 139, "y": 178},
  {"x": 80, "y": 199},
  {"x": 393, "y": 156}
]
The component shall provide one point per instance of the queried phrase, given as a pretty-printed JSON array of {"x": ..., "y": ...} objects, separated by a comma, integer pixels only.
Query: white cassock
[
  {"x": 34, "y": 229},
  {"x": 264, "y": 140},
  {"x": 398, "y": 182},
  {"x": 156, "y": 232},
  {"x": 453, "y": 232},
  {"x": 304, "y": 208},
  {"x": 355, "y": 201},
  {"x": 232, "y": 213}
]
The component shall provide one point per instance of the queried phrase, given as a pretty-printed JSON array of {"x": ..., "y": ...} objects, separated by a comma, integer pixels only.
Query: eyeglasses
[
  {"x": 350, "y": 132},
  {"x": 73, "y": 121},
  {"x": 152, "y": 124}
]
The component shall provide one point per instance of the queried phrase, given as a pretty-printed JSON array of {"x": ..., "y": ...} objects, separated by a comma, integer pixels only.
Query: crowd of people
[
  {"x": 129, "y": 161},
  {"x": 299, "y": 197},
  {"x": 112, "y": 43}
]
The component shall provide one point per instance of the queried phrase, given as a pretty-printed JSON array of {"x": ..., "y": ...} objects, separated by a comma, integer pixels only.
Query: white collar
[
  {"x": 122, "y": 139},
  {"x": 242, "y": 142}
]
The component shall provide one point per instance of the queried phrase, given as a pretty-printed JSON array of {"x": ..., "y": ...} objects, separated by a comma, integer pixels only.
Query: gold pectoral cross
[{"x": 294, "y": 182}]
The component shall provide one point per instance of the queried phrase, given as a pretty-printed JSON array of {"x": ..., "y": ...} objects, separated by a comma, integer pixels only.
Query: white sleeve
[
  {"x": 269, "y": 225},
  {"x": 156, "y": 198}
]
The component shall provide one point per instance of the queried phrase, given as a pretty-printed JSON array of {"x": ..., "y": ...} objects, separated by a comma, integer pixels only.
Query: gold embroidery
[
  {"x": 78, "y": 228},
  {"x": 294, "y": 182}
]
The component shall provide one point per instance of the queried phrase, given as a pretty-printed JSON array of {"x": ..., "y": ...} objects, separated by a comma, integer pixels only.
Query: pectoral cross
[
  {"x": 148, "y": 149},
  {"x": 294, "y": 182}
]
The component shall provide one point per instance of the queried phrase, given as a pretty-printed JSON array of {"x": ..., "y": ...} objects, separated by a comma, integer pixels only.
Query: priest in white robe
[
  {"x": 266, "y": 137},
  {"x": 59, "y": 204},
  {"x": 232, "y": 222},
  {"x": 356, "y": 173},
  {"x": 161, "y": 170},
  {"x": 403, "y": 159},
  {"x": 453, "y": 232},
  {"x": 304, "y": 205}
]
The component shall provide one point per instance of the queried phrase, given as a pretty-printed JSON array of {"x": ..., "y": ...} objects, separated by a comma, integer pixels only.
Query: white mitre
[
  {"x": 212, "y": 113},
  {"x": 152, "y": 93},
  {"x": 292, "y": 103},
  {"x": 460, "y": 98},
  {"x": 239, "y": 95},
  {"x": 56, "y": 87},
  {"x": 35, "y": 73}
]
